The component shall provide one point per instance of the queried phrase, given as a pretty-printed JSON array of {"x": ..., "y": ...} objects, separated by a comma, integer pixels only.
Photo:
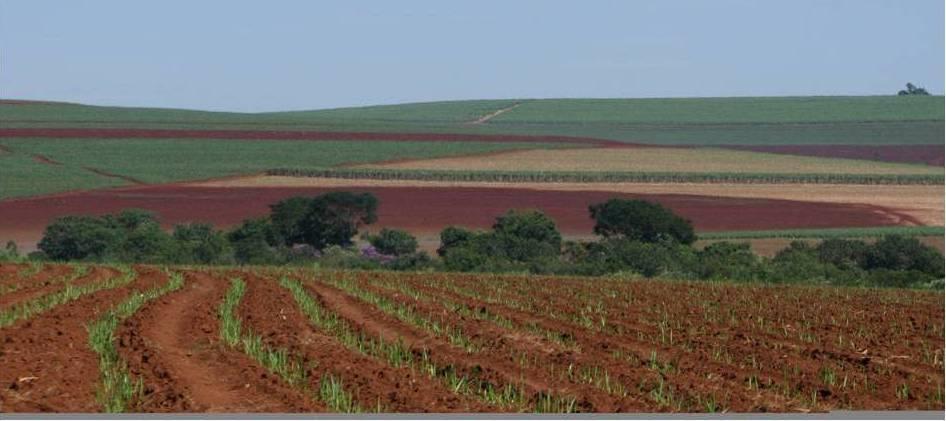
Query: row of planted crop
[{"x": 608, "y": 177}]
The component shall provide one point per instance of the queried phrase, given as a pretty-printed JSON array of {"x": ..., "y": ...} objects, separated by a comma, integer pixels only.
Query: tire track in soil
[
  {"x": 52, "y": 283},
  {"x": 270, "y": 311},
  {"x": 46, "y": 363},
  {"x": 173, "y": 345},
  {"x": 373, "y": 321}
]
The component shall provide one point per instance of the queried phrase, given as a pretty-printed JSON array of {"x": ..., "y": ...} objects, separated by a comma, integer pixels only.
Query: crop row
[{"x": 609, "y": 177}]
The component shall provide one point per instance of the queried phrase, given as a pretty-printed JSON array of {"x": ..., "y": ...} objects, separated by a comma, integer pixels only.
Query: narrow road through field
[
  {"x": 186, "y": 367},
  {"x": 493, "y": 114}
]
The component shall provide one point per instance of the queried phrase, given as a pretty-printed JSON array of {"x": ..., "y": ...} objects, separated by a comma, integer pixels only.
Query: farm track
[
  {"x": 270, "y": 311},
  {"x": 12, "y": 274},
  {"x": 48, "y": 364},
  {"x": 173, "y": 345}
]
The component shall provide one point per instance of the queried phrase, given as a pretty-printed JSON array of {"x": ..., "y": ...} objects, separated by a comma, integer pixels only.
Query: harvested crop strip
[
  {"x": 117, "y": 387},
  {"x": 69, "y": 293}
]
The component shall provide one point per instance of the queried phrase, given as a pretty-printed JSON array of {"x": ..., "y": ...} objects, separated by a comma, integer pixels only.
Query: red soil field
[
  {"x": 913, "y": 154},
  {"x": 604, "y": 345},
  {"x": 106, "y": 133},
  {"x": 430, "y": 209}
]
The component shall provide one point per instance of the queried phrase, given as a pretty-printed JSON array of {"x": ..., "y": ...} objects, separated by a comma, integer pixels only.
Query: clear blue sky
[{"x": 281, "y": 55}]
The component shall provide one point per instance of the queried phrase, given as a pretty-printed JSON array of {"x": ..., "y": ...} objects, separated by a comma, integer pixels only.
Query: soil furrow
[
  {"x": 46, "y": 363},
  {"x": 270, "y": 311},
  {"x": 173, "y": 345}
]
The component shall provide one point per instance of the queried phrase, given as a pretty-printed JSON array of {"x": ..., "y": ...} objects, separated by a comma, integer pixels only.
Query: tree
[
  {"x": 287, "y": 216},
  {"x": 201, "y": 244},
  {"x": 334, "y": 218},
  {"x": 452, "y": 237},
  {"x": 252, "y": 242},
  {"x": 393, "y": 242},
  {"x": 899, "y": 253},
  {"x": 78, "y": 238},
  {"x": 525, "y": 235},
  {"x": 640, "y": 220},
  {"x": 730, "y": 261},
  {"x": 912, "y": 90}
]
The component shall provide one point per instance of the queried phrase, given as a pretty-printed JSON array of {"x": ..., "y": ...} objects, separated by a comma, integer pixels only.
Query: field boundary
[
  {"x": 824, "y": 233},
  {"x": 610, "y": 177}
]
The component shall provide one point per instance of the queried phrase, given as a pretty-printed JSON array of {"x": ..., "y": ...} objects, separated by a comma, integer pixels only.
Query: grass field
[
  {"x": 695, "y": 121},
  {"x": 676, "y": 160},
  {"x": 168, "y": 160}
]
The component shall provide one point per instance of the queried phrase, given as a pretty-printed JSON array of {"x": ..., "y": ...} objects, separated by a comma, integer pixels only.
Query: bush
[
  {"x": 526, "y": 235},
  {"x": 78, "y": 238},
  {"x": 253, "y": 241},
  {"x": 201, "y": 244},
  {"x": 393, "y": 242},
  {"x": 726, "y": 260},
  {"x": 338, "y": 257},
  {"x": 845, "y": 254},
  {"x": 641, "y": 221},
  {"x": 896, "y": 252},
  {"x": 622, "y": 255},
  {"x": 452, "y": 237}
]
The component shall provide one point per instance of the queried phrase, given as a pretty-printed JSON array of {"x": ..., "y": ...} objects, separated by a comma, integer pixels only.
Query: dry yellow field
[
  {"x": 657, "y": 160},
  {"x": 923, "y": 202}
]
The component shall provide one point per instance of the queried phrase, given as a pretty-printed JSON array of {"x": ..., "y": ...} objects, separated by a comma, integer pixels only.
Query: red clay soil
[
  {"x": 173, "y": 344},
  {"x": 430, "y": 209},
  {"x": 49, "y": 280},
  {"x": 113, "y": 133},
  {"x": 635, "y": 333},
  {"x": 271, "y": 312},
  {"x": 912, "y": 154},
  {"x": 47, "y": 363}
]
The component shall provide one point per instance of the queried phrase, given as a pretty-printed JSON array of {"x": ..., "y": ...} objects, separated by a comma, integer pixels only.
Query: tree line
[{"x": 636, "y": 238}]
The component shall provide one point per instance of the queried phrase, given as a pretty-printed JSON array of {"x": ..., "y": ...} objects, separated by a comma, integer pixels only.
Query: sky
[{"x": 290, "y": 55}]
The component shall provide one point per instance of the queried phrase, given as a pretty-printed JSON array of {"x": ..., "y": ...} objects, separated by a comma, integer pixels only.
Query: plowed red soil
[
  {"x": 912, "y": 154},
  {"x": 612, "y": 345},
  {"x": 430, "y": 209},
  {"x": 106, "y": 133},
  {"x": 172, "y": 344},
  {"x": 46, "y": 364}
]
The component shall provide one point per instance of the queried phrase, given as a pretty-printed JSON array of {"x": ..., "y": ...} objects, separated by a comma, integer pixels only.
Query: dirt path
[
  {"x": 173, "y": 344},
  {"x": 104, "y": 173},
  {"x": 494, "y": 114}
]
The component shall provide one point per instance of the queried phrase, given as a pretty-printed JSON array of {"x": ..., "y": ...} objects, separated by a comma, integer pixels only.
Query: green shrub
[
  {"x": 201, "y": 244},
  {"x": 394, "y": 242}
]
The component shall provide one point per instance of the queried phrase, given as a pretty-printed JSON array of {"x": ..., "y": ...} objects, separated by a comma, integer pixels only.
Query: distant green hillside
[{"x": 695, "y": 121}]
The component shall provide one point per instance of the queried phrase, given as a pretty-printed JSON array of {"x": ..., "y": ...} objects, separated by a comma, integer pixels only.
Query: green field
[
  {"x": 823, "y": 233},
  {"x": 871, "y": 120},
  {"x": 168, "y": 160}
]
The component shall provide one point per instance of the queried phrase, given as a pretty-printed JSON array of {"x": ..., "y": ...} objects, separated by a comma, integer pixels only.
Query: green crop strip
[
  {"x": 409, "y": 315},
  {"x": 278, "y": 360},
  {"x": 396, "y": 354},
  {"x": 609, "y": 177},
  {"x": 825, "y": 233},
  {"x": 118, "y": 387},
  {"x": 69, "y": 293},
  {"x": 77, "y": 272}
]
